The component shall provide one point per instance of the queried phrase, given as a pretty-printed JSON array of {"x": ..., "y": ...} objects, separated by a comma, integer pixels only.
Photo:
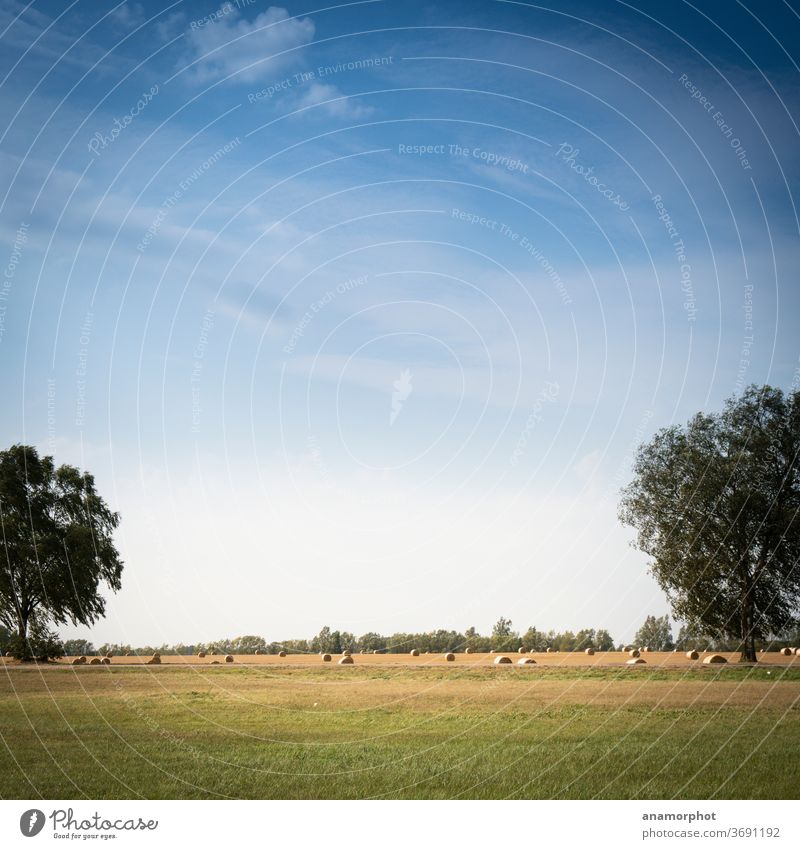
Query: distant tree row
[{"x": 655, "y": 633}]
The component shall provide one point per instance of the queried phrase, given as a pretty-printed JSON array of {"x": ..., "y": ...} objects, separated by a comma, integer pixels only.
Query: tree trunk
[
  {"x": 747, "y": 635},
  {"x": 22, "y": 630}
]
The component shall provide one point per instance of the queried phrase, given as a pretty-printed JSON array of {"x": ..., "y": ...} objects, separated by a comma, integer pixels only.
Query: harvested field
[
  {"x": 431, "y": 729},
  {"x": 670, "y": 660}
]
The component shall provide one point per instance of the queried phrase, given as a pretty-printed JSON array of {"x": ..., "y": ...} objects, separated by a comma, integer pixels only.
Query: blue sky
[{"x": 358, "y": 312}]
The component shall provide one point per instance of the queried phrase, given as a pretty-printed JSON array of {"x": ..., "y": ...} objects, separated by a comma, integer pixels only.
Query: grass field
[{"x": 397, "y": 727}]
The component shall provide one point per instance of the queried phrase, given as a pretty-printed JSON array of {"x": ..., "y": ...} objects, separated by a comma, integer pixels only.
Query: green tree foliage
[
  {"x": 334, "y": 642},
  {"x": 248, "y": 644},
  {"x": 655, "y": 634},
  {"x": 76, "y": 648},
  {"x": 57, "y": 548},
  {"x": 503, "y": 637},
  {"x": 603, "y": 640},
  {"x": 716, "y": 505}
]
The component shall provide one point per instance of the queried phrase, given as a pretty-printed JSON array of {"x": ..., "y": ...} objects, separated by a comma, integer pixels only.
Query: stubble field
[{"x": 397, "y": 727}]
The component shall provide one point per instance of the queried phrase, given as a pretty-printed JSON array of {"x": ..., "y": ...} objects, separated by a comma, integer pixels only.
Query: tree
[
  {"x": 603, "y": 640},
  {"x": 76, "y": 648},
  {"x": 502, "y": 635},
  {"x": 57, "y": 546},
  {"x": 655, "y": 633},
  {"x": 248, "y": 644},
  {"x": 717, "y": 507}
]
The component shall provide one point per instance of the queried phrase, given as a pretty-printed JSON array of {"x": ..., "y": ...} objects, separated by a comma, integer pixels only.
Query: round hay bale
[
  {"x": 633, "y": 652},
  {"x": 646, "y": 648},
  {"x": 109, "y": 654},
  {"x": 692, "y": 655},
  {"x": 105, "y": 660},
  {"x": 501, "y": 659},
  {"x": 635, "y": 660},
  {"x": 154, "y": 660},
  {"x": 589, "y": 651},
  {"x": 525, "y": 661},
  {"x": 797, "y": 651},
  {"x": 347, "y": 653},
  {"x": 82, "y": 659},
  {"x": 467, "y": 650},
  {"x": 326, "y": 658},
  {"x": 95, "y": 661},
  {"x": 157, "y": 654},
  {"x": 9, "y": 654},
  {"x": 128, "y": 654},
  {"x": 450, "y": 656},
  {"x": 786, "y": 651},
  {"x": 345, "y": 660},
  {"x": 414, "y": 653},
  {"x": 714, "y": 658},
  {"x": 228, "y": 658},
  {"x": 77, "y": 661},
  {"x": 281, "y": 653},
  {"x": 257, "y": 651},
  {"x": 492, "y": 651},
  {"x": 522, "y": 650},
  {"x": 213, "y": 662},
  {"x": 201, "y": 654},
  {"x": 549, "y": 651}
]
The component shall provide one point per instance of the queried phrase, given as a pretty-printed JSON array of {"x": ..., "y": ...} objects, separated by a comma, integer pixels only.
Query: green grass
[{"x": 410, "y": 733}]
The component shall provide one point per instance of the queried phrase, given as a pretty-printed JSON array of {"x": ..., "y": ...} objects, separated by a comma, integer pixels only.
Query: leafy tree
[
  {"x": 502, "y": 628},
  {"x": 39, "y": 643},
  {"x": 371, "y": 641},
  {"x": 78, "y": 647},
  {"x": 502, "y": 635},
  {"x": 534, "y": 640},
  {"x": 690, "y": 636},
  {"x": 655, "y": 633},
  {"x": 603, "y": 640},
  {"x": 57, "y": 546},
  {"x": 716, "y": 505},
  {"x": 248, "y": 644}
]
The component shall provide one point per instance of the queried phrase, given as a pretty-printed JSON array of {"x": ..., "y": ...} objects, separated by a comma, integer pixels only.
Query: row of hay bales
[
  {"x": 693, "y": 654},
  {"x": 500, "y": 659},
  {"x": 347, "y": 659}
]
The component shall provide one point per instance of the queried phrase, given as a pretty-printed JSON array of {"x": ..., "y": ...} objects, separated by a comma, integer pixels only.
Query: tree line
[{"x": 655, "y": 633}]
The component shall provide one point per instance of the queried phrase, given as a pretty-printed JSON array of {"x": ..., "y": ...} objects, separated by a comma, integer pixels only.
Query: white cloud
[
  {"x": 231, "y": 45},
  {"x": 128, "y": 15},
  {"x": 332, "y": 101}
]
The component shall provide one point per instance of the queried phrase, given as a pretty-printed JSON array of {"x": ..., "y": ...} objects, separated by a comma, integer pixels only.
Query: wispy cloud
[{"x": 230, "y": 46}]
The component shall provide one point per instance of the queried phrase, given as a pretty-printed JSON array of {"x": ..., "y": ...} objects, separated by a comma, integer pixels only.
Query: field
[{"x": 391, "y": 726}]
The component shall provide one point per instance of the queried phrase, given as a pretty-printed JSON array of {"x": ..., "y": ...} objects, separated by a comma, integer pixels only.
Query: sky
[{"x": 358, "y": 312}]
